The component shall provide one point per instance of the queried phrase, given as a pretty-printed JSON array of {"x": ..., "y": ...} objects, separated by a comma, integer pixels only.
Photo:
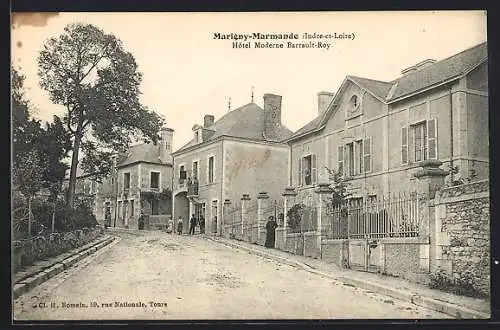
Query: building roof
[
  {"x": 246, "y": 122},
  {"x": 139, "y": 153},
  {"x": 417, "y": 81},
  {"x": 144, "y": 152}
]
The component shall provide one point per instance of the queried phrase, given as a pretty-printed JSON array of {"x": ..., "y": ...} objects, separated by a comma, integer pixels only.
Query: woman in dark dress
[{"x": 270, "y": 234}]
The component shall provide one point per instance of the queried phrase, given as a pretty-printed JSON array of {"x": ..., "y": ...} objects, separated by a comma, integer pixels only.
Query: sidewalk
[
  {"x": 42, "y": 270},
  {"x": 398, "y": 288}
]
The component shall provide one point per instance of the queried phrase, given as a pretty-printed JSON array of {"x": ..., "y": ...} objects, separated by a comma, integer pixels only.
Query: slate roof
[
  {"x": 413, "y": 82},
  {"x": 245, "y": 122},
  {"x": 144, "y": 152}
]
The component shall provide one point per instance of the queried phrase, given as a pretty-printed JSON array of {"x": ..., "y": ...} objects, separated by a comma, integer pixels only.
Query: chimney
[
  {"x": 324, "y": 99},
  {"x": 418, "y": 66},
  {"x": 272, "y": 114},
  {"x": 165, "y": 144},
  {"x": 208, "y": 121}
]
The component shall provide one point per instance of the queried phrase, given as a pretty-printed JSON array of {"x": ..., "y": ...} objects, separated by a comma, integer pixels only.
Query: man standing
[
  {"x": 270, "y": 232},
  {"x": 192, "y": 225}
]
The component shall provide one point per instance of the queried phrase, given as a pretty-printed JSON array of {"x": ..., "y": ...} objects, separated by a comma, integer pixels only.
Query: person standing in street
[
  {"x": 270, "y": 232},
  {"x": 192, "y": 225},
  {"x": 170, "y": 226},
  {"x": 179, "y": 226}
]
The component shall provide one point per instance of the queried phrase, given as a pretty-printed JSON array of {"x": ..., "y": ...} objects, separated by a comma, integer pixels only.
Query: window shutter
[
  {"x": 314, "y": 172},
  {"x": 367, "y": 154},
  {"x": 432, "y": 138},
  {"x": 299, "y": 173},
  {"x": 404, "y": 145},
  {"x": 347, "y": 165},
  {"x": 340, "y": 160}
]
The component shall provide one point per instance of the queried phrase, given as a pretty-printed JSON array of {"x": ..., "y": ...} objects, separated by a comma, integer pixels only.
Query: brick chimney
[
  {"x": 165, "y": 144},
  {"x": 272, "y": 114},
  {"x": 208, "y": 121},
  {"x": 324, "y": 99}
]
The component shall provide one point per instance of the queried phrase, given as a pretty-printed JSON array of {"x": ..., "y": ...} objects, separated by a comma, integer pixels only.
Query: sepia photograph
[{"x": 189, "y": 166}]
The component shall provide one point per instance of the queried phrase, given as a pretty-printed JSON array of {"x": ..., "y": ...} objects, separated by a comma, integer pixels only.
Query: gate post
[
  {"x": 244, "y": 199},
  {"x": 262, "y": 205},
  {"x": 323, "y": 189},
  {"x": 431, "y": 180},
  {"x": 225, "y": 216},
  {"x": 289, "y": 196}
]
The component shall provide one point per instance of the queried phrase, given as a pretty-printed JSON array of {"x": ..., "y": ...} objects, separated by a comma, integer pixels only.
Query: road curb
[
  {"x": 426, "y": 302},
  {"x": 31, "y": 281}
]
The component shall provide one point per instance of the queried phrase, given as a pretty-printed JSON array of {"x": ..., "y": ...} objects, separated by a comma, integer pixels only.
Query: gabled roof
[
  {"x": 427, "y": 77},
  {"x": 246, "y": 122}
]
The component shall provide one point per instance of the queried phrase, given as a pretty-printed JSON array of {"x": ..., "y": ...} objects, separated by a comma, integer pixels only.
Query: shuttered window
[
  {"x": 340, "y": 160},
  {"x": 367, "y": 155},
  {"x": 432, "y": 140},
  {"x": 299, "y": 172},
  {"x": 314, "y": 172},
  {"x": 404, "y": 145}
]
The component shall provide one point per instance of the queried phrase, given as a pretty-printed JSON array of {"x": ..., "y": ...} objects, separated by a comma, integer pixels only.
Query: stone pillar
[
  {"x": 262, "y": 205},
  {"x": 244, "y": 221},
  {"x": 225, "y": 217},
  {"x": 431, "y": 180},
  {"x": 324, "y": 190},
  {"x": 289, "y": 196}
]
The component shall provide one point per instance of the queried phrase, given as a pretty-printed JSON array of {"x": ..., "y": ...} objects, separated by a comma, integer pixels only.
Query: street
[{"x": 156, "y": 276}]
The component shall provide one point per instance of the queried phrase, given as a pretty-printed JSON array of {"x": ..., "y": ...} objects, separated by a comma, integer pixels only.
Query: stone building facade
[
  {"x": 377, "y": 133},
  {"x": 240, "y": 153},
  {"x": 141, "y": 182}
]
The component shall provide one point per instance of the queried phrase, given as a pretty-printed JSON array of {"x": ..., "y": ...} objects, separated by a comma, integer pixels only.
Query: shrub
[
  {"x": 462, "y": 285},
  {"x": 294, "y": 216}
]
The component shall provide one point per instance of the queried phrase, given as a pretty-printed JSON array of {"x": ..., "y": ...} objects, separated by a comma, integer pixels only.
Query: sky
[{"x": 187, "y": 73}]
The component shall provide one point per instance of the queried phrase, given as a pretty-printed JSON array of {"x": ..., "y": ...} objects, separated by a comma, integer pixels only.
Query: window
[
  {"x": 195, "y": 170},
  {"x": 211, "y": 169},
  {"x": 155, "y": 180},
  {"x": 307, "y": 170},
  {"x": 354, "y": 101},
  {"x": 367, "y": 155},
  {"x": 358, "y": 148},
  {"x": 355, "y": 158},
  {"x": 350, "y": 159},
  {"x": 167, "y": 145},
  {"x": 340, "y": 160},
  {"x": 404, "y": 145},
  {"x": 420, "y": 141},
  {"x": 182, "y": 173},
  {"x": 126, "y": 180},
  {"x": 423, "y": 142}
]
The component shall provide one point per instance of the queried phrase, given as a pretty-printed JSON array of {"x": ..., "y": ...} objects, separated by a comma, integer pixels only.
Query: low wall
[
  {"x": 250, "y": 233},
  {"x": 331, "y": 251},
  {"x": 25, "y": 252},
  {"x": 279, "y": 238},
  {"x": 311, "y": 246},
  {"x": 295, "y": 243},
  {"x": 463, "y": 233}
]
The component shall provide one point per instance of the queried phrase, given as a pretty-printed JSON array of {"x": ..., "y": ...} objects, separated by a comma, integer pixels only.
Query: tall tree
[{"x": 96, "y": 80}]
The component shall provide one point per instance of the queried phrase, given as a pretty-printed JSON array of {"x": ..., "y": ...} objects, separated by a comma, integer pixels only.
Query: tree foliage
[
  {"x": 339, "y": 186},
  {"x": 97, "y": 81},
  {"x": 38, "y": 151}
]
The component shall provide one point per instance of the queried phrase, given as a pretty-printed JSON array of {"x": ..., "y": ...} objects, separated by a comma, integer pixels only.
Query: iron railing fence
[{"x": 393, "y": 216}]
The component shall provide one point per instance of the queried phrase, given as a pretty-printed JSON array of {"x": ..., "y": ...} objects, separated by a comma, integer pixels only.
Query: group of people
[{"x": 193, "y": 222}]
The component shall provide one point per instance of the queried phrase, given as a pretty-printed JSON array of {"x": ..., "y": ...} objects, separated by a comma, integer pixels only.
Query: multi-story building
[
  {"x": 241, "y": 153},
  {"x": 141, "y": 182},
  {"x": 377, "y": 133}
]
